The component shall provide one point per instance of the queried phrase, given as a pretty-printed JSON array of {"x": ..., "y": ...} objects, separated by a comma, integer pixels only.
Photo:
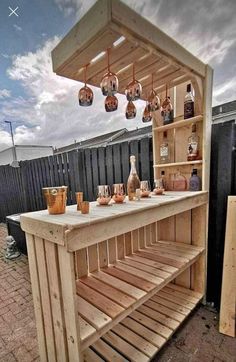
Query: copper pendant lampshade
[
  {"x": 109, "y": 83},
  {"x": 153, "y": 100},
  {"x": 111, "y": 103},
  {"x": 133, "y": 90},
  {"x": 147, "y": 116},
  {"x": 85, "y": 95},
  {"x": 130, "y": 112}
]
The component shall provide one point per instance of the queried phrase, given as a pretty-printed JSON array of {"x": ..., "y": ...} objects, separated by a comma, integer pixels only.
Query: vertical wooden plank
[
  {"x": 102, "y": 166},
  {"x": 141, "y": 237},
  {"x": 45, "y": 297},
  {"x": 103, "y": 254},
  {"x": 128, "y": 246},
  {"x": 199, "y": 220},
  {"x": 144, "y": 158},
  {"x": 117, "y": 162},
  {"x": 109, "y": 165},
  {"x": 167, "y": 229},
  {"x": 148, "y": 235},
  {"x": 55, "y": 170},
  {"x": 121, "y": 246},
  {"x": 93, "y": 258},
  {"x": 89, "y": 178},
  {"x": 183, "y": 235},
  {"x": 134, "y": 150},
  {"x": 112, "y": 250},
  {"x": 153, "y": 235},
  {"x": 60, "y": 170},
  {"x": 81, "y": 262},
  {"x": 228, "y": 292},
  {"x": 125, "y": 161},
  {"x": 94, "y": 155},
  {"x": 38, "y": 308},
  {"x": 135, "y": 240},
  {"x": 67, "y": 274},
  {"x": 56, "y": 301}
]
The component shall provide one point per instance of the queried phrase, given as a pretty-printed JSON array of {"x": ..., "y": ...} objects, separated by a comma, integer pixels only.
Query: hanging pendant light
[
  {"x": 153, "y": 100},
  {"x": 130, "y": 112},
  {"x": 109, "y": 82},
  {"x": 133, "y": 90},
  {"x": 85, "y": 95},
  {"x": 111, "y": 103},
  {"x": 147, "y": 116}
]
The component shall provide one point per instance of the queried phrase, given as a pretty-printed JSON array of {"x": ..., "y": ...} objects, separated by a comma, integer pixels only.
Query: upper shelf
[
  {"x": 112, "y": 24},
  {"x": 178, "y": 124}
]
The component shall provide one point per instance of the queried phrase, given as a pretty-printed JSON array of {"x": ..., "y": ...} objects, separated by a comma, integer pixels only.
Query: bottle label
[
  {"x": 194, "y": 185},
  {"x": 164, "y": 151},
  {"x": 193, "y": 149},
  {"x": 188, "y": 110}
]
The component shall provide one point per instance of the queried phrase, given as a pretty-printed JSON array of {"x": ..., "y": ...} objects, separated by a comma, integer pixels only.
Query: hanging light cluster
[{"x": 109, "y": 87}]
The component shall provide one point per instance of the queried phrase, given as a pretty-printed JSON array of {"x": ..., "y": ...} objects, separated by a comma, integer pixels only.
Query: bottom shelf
[{"x": 140, "y": 336}]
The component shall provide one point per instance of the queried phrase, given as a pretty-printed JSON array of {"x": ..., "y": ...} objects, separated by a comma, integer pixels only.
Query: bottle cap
[
  {"x": 165, "y": 134},
  {"x": 188, "y": 88},
  {"x": 194, "y": 127},
  {"x": 162, "y": 173},
  {"x": 194, "y": 172},
  {"x": 132, "y": 158}
]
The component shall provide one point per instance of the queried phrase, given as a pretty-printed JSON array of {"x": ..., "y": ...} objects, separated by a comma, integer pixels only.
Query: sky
[{"x": 43, "y": 107}]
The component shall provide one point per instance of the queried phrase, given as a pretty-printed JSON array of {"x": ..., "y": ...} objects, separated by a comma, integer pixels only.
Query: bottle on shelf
[
  {"x": 188, "y": 103},
  {"x": 165, "y": 149},
  {"x": 178, "y": 182},
  {"x": 195, "y": 181},
  {"x": 167, "y": 111},
  {"x": 164, "y": 183},
  {"x": 193, "y": 145},
  {"x": 133, "y": 182}
]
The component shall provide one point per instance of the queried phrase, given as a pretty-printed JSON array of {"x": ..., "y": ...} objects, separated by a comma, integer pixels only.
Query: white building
[{"x": 24, "y": 153}]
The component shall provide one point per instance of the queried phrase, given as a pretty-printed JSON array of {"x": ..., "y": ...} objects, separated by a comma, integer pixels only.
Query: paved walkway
[{"x": 197, "y": 341}]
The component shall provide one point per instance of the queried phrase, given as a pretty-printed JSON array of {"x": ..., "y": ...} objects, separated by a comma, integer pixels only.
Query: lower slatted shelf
[
  {"x": 140, "y": 336},
  {"x": 106, "y": 297}
]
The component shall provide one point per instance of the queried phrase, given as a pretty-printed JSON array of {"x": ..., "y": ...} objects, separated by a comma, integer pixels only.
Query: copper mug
[{"x": 56, "y": 199}]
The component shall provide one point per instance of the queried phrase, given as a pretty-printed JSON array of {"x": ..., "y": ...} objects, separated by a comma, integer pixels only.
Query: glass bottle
[
  {"x": 178, "y": 182},
  {"x": 195, "y": 181},
  {"x": 193, "y": 145},
  {"x": 188, "y": 103},
  {"x": 164, "y": 183},
  {"x": 167, "y": 111},
  {"x": 164, "y": 149},
  {"x": 133, "y": 180}
]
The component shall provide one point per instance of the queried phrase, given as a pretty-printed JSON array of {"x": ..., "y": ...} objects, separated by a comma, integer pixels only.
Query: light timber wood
[
  {"x": 111, "y": 354},
  {"x": 227, "y": 323},
  {"x": 179, "y": 124}
]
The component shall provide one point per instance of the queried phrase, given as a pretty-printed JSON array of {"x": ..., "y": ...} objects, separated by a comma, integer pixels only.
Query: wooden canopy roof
[{"x": 132, "y": 39}]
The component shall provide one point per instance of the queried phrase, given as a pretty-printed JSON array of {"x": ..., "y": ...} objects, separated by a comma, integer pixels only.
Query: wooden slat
[
  {"x": 155, "y": 264},
  {"x": 56, "y": 302},
  {"x": 177, "y": 300},
  {"x": 149, "y": 335},
  {"x": 125, "y": 348},
  {"x": 169, "y": 304},
  {"x": 86, "y": 329},
  {"x": 81, "y": 260},
  {"x": 146, "y": 268},
  {"x": 168, "y": 253},
  {"x": 90, "y": 356},
  {"x": 128, "y": 245},
  {"x": 151, "y": 324},
  {"x": 112, "y": 251},
  {"x": 182, "y": 245},
  {"x": 175, "y": 293},
  {"x": 121, "y": 246},
  {"x": 160, "y": 258},
  {"x": 177, "y": 316},
  {"x": 135, "y": 240},
  {"x": 185, "y": 290},
  {"x": 38, "y": 307},
  {"x": 176, "y": 249},
  {"x": 120, "y": 285},
  {"x": 103, "y": 254},
  {"x": 115, "y": 295},
  {"x": 93, "y": 258},
  {"x": 45, "y": 298},
  {"x": 91, "y": 314},
  {"x": 131, "y": 279},
  {"x": 139, "y": 273},
  {"x": 109, "y": 353},
  {"x": 228, "y": 294},
  {"x": 148, "y": 311},
  {"x": 137, "y": 341},
  {"x": 98, "y": 300}
]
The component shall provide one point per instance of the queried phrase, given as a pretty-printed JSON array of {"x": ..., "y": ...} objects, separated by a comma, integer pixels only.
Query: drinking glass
[
  {"x": 118, "y": 192},
  {"x": 147, "y": 116},
  {"x": 158, "y": 187},
  {"x": 133, "y": 90},
  {"x": 109, "y": 83},
  {"x": 111, "y": 103},
  {"x": 85, "y": 95},
  {"x": 103, "y": 194},
  {"x": 153, "y": 100},
  {"x": 145, "y": 188},
  {"x": 130, "y": 110}
]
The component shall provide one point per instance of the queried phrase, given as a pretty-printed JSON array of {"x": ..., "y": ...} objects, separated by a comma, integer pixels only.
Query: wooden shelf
[
  {"x": 107, "y": 296},
  {"x": 178, "y": 124},
  {"x": 140, "y": 336},
  {"x": 175, "y": 164}
]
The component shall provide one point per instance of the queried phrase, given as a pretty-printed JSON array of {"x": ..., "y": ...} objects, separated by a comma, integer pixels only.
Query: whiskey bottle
[
  {"x": 167, "y": 111},
  {"x": 195, "y": 181},
  {"x": 133, "y": 180},
  {"x": 188, "y": 103},
  {"x": 193, "y": 145},
  {"x": 164, "y": 149}
]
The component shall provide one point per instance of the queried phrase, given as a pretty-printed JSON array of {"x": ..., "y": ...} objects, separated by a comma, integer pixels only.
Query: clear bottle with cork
[
  {"x": 167, "y": 111},
  {"x": 133, "y": 180},
  {"x": 165, "y": 149},
  {"x": 193, "y": 144},
  {"x": 189, "y": 103},
  {"x": 195, "y": 183}
]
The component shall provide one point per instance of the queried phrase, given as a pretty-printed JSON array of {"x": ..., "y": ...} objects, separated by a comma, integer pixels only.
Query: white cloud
[
  {"x": 77, "y": 7},
  {"x": 17, "y": 27},
  {"x": 4, "y": 93}
]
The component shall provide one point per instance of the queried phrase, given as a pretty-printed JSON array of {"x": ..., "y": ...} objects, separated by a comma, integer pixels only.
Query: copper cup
[
  {"x": 56, "y": 199},
  {"x": 79, "y": 199},
  {"x": 84, "y": 207}
]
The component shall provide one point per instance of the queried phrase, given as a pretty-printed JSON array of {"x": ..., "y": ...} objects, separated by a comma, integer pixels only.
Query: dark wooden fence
[{"x": 80, "y": 170}]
